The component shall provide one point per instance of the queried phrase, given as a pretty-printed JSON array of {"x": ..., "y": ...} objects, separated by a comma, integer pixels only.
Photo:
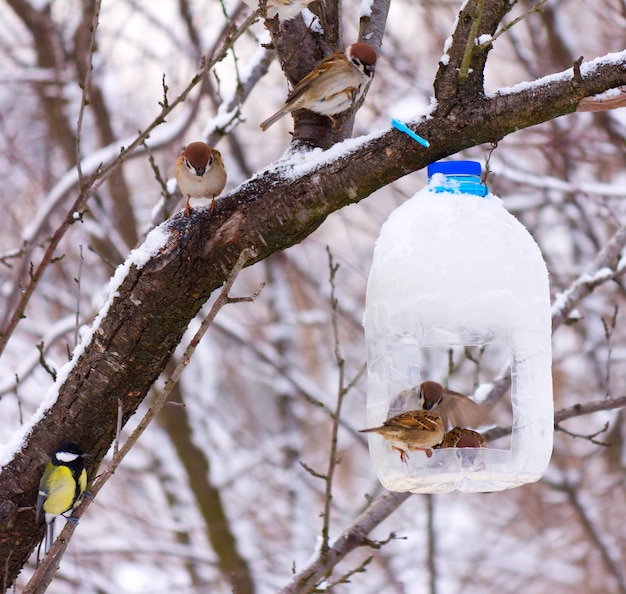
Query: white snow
[
  {"x": 586, "y": 69},
  {"x": 365, "y": 10},
  {"x": 561, "y": 299},
  {"x": 312, "y": 22}
]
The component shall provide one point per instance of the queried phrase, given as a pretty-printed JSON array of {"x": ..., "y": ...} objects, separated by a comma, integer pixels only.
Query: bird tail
[
  {"x": 272, "y": 119},
  {"x": 49, "y": 536}
]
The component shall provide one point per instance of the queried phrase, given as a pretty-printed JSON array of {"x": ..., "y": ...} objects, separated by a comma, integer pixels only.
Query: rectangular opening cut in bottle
[{"x": 460, "y": 364}]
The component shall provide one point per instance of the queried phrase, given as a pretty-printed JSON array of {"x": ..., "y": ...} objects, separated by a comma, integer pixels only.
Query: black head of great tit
[{"x": 61, "y": 487}]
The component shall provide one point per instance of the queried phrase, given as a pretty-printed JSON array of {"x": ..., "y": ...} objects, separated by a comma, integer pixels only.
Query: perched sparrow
[
  {"x": 200, "y": 173},
  {"x": 412, "y": 430},
  {"x": 462, "y": 438},
  {"x": 333, "y": 85},
  {"x": 455, "y": 408},
  {"x": 285, "y": 9}
]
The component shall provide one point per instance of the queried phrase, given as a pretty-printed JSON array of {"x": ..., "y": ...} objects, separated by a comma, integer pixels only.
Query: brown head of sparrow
[
  {"x": 455, "y": 408},
  {"x": 333, "y": 86},
  {"x": 468, "y": 443},
  {"x": 285, "y": 9},
  {"x": 410, "y": 431},
  {"x": 463, "y": 438},
  {"x": 200, "y": 174}
]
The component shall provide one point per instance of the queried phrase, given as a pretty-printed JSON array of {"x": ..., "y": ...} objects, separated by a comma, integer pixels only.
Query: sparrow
[
  {"x": 412, "y": 430},
  {"x": 462, "y": 438},
  {"x": 455, "y": 408},
  {"x": 467, "y": 442},
  {"x": 333, "y": 86},
  {"x": 285, "y": 9},
  {"x": 200, "y": 174}
]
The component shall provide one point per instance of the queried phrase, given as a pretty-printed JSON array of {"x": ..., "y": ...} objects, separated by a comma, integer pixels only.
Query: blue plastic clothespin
[{"x": 404, "y": 128}]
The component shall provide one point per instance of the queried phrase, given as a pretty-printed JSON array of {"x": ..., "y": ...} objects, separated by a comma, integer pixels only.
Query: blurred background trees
[{"x": 216, "y": 496}]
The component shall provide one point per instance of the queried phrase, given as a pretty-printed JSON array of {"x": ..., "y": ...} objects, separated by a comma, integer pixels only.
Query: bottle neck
[{"x": 459, "y": 184}]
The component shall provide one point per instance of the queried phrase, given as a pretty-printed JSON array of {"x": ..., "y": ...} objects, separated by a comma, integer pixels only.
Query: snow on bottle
[{"x": 453, "y": 269}]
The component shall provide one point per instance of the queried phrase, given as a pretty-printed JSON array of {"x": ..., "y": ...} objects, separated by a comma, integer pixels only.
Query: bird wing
[
  {"x": 461, "y": 411},
  {"x": 44, "y": 491},
  {"x": 415, "y": 419},
  {"x": 320, "y": 69},
  {"x": 81, "y": 485},
  {"x": 39, "y": 513}
]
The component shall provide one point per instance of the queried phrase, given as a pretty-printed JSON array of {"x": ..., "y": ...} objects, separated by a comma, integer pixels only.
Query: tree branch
[{"x": 353, "y": 537}]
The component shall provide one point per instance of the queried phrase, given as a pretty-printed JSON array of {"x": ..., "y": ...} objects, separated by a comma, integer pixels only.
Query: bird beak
[{"x": 200, "y": 172}]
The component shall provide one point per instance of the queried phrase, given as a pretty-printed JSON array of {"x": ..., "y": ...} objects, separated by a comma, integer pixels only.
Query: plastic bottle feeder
[{"x": 452, "y": 268}]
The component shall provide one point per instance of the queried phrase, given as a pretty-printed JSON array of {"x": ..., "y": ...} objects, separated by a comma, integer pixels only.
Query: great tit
[{"x": 61, "y": 487}]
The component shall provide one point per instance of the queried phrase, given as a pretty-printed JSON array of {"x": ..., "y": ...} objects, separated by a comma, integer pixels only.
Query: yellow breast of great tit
[{"x": 62, "y": 489}]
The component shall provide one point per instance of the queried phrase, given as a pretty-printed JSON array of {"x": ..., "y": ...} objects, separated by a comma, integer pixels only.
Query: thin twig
[
  {"x": 78, "y": 279},
  {"x": 43, "y": 362},
  {"x": 12, "y": 255},
  {"x": 345, "y": 578},
  {"x": 340, "y": 362},
  {"x": 46, "y": 570},
  {"x": 591, "y": 437},
  {"x": 587, "y": 522},
  {"x": 85, "y": 86},
  {"x": 470, "y": 44},
  {"x": 535, "y": 9},
  {"x": 609, "y": 329},
  {"x": 577, "y": 410}
]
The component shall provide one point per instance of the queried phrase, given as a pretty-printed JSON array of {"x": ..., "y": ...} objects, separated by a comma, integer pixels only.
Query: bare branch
[
  {"x": 86, "y": 86},
  {"x": 594, "y": 532},
  {"x": 567, "y": 413},
  {"x": 351, "y": 538},
  {"x": 340, "y": 363},
  {"x": 591, "y": 437},
  {"x": 504, "y": 28},
  {"x": 470, "y": 43}
]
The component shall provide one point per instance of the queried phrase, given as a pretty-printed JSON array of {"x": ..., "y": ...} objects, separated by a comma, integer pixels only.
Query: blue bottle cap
[{"x": 455, "y": 168}]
